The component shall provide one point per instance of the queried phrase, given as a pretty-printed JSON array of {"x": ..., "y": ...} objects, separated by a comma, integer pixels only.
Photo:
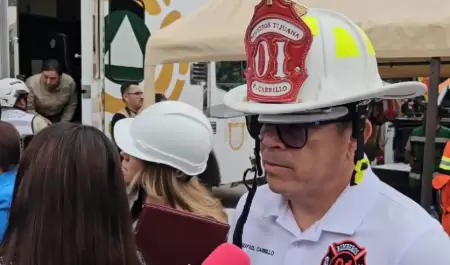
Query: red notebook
[{"x": 166, "y": 236}]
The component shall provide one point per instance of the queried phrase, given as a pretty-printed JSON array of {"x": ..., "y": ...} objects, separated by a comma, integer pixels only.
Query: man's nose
[{"x": 270, "y": 139}]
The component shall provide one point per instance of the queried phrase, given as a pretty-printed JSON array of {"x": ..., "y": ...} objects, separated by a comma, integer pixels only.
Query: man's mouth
[{"x": 272, "y": 164}]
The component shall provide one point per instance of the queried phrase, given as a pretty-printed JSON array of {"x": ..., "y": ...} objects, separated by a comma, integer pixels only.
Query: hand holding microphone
[{"x": 227, "y": 254}]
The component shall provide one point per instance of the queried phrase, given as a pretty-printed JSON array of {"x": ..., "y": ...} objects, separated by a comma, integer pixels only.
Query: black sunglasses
[
  {"x": 293, "y": 135},
  {"x": 139, "y": 93}
]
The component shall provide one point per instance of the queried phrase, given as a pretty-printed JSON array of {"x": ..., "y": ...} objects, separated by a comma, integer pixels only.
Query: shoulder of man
[
  {"x": 39, "y": 123},
  {"x": 259, "y": 203},
  {"x": 401, "y": 223},
  {"x": 430, "y": 247},
  {"x": 419, "y": 131},
  {"x": 445, "y": 130},
  {"x": 67, "y": 81},
  {"x": 33, "y": 80},
  {"x": 117, "y": 116}
]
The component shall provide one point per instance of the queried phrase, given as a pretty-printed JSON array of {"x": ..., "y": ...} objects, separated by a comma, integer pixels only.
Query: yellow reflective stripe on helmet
[
  {"x": 345, "y": 43},
  {"x": 370, "y": 49},
  {"x": 311, "y": 22}
]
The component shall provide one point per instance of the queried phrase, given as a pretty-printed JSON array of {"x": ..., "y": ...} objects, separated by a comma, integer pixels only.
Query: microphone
[{"x": 227, "y": 254}]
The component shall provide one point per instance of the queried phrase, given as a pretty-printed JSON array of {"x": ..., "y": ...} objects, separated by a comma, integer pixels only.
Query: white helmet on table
[{"x": 10, "y": 90}]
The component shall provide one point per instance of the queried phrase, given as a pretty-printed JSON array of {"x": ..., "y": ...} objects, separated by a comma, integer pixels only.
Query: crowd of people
[
  {"x": 72, "y": 196},
  {"x": 69, "y": 197}
]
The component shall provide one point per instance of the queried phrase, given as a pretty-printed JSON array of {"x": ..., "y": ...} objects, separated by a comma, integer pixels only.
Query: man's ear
[{"x": 367, "y": 131}]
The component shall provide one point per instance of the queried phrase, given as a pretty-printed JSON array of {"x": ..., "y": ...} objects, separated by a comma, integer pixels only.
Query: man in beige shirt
[
  {"x": 13, "y": 98},
  {"x": 52, "y": 93}
]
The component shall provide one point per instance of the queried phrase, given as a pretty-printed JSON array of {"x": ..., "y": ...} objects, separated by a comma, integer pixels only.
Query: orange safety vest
[{"x": 440, "y": 182}]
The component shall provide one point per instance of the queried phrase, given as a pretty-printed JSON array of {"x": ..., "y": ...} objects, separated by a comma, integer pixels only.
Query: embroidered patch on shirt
[{"x": 347, "y": 252}]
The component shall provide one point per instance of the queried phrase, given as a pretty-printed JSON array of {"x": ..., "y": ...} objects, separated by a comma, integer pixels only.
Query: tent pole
[
  {"x": 149, "y": 86},
  {"x": 430, "y": 134}
]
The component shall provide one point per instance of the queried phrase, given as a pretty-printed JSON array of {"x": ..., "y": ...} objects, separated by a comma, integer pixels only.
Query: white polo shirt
[{"x": 370, "y": 224}]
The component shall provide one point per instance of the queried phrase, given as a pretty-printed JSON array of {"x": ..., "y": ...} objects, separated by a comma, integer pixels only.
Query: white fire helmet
[
  {"x": 302, "y": 59},
  {"x": 10, "y": 90}
]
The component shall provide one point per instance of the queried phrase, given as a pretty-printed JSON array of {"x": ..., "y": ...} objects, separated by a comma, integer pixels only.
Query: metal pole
[
  {"x": 430, "y": 134},
  {"x": 4, "y": 40},
  {"x": 209, "y": 85}
]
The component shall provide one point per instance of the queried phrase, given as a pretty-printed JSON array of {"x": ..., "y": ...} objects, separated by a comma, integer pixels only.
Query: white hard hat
[
  {"x": 10, "y": 90},
  {"x": 169, "y": 132},
  {"x": 308, "y": 59}
]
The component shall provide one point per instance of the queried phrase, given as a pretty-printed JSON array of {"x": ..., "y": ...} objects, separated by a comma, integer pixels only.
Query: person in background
[
  {"x": 133, "y": 96},
  {"x": 13, "y": 103},
  {"x": 441, "y": 185},
  {"x": 414, "y": 149},
  {"x": 161, "y": 162},
  {"x": 408, "y": 108},
  {"x": 211, "y": 176},
  {"x": 9, "y": 159},
  {"x": 52, "y": 93},
  {"x": 69, "y": 206}
]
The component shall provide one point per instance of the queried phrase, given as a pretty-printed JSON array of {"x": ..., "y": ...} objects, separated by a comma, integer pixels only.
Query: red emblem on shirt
[
  {"x": 277, "y": 42},
  {"x": 345, "y": 253}
]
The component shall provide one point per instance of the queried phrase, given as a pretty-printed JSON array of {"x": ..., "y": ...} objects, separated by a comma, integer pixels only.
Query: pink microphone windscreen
[{"x": 227, "y": 254}]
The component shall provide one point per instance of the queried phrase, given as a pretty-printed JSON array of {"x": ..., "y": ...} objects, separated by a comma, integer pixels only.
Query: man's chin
[{"x": 279, "y": 186}]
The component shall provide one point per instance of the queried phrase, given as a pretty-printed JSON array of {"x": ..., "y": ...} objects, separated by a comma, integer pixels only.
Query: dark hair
[
  {"x": 160, "y": 97},
  {"x": 125, "y": 86},
  {"x": 211, "y": 176},
  {"x": 52, "y": 65},
  {"x": 70, "y": 205},
  {"x": 9, "y": 146}
]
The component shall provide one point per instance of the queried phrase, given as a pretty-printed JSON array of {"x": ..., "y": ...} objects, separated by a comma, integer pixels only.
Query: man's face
[
  {"x": 134, "y": 97},
  {"x": 293, "y": 171},
  {"x": 50, "y": 79},
  {"x": 22, "y": 103}
]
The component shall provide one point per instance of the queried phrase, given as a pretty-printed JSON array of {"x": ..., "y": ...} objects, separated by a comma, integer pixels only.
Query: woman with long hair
[
  {"x": 164, "y": 149},
  {"x": 70, "y": 206}
]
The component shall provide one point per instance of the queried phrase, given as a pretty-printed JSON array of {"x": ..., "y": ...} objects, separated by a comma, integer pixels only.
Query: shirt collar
[{"x": 347, "y": 213}]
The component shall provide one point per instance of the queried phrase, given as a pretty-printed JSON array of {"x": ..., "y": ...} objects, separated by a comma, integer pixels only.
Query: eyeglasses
[
  {"x": 138, "y": 93},
  {"x": 292, "y": 135}
]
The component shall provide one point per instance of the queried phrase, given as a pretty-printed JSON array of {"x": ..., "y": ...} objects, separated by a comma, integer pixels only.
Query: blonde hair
[{"x": 168, "y": 186}]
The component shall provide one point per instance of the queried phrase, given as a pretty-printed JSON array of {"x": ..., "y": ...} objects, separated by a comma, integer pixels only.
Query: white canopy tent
[
  {"x": 402, "y": 29},
  {"x": 406, "y": 32}
]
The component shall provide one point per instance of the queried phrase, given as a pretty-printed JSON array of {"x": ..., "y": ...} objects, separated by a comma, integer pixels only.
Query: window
[{"x": 230, "y": 74}]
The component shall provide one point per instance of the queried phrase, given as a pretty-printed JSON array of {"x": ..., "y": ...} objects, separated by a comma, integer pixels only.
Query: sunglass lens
[{"x": 294, "y": 136}]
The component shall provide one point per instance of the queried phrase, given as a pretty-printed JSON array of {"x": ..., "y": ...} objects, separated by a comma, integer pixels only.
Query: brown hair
[
  {"x": 9, "y": 146},
  {"x": 70, "y": 205},
  {"x": 168, "y": 186}
]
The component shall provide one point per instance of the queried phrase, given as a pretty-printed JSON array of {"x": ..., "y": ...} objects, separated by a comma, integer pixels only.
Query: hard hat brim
[
  {"x": 127, "y": 143},
  {"x": 237, "y": 99},
  {"x": 305, "y": 117},
  {"x": 124, "y": 139}
]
